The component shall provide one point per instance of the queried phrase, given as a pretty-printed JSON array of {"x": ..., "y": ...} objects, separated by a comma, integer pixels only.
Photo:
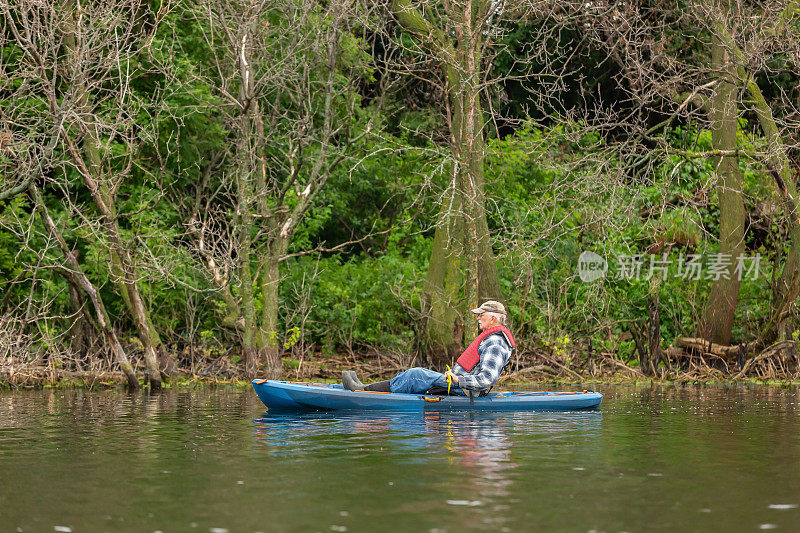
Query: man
[{"x": 475, "y": 371}]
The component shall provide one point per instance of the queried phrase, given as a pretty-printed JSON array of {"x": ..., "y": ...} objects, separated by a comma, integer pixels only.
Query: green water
[{"x": 651, "y": 459}]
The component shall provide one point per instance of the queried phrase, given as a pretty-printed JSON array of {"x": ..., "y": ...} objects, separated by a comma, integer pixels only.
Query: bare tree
[
  {"x": 76, "y": 275},
  {"x": 75, "y": 114},
  {"x": 653, "y": 43},
  {"x": 284, "y": 76}
]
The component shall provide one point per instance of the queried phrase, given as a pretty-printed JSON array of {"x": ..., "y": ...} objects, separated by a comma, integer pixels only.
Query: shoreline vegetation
[
  {"x": 293, "y": 188},
  {"x": 599, "y": 368}
]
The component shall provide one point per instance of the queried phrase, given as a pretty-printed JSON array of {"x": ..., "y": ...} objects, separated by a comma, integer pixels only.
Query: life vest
[{"x": 470, "y": 357}]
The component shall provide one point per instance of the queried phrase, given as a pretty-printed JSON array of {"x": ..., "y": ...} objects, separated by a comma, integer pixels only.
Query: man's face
[{"x": 484, "y": 321}]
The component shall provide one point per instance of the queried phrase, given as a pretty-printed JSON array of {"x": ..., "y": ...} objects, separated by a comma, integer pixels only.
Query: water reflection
[
  {"x": 473, "y": 438},
  {"x": 473, "y": 457}
]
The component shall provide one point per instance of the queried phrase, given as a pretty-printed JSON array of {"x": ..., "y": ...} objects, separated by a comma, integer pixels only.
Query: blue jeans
[{"x": 418, "y": 380}]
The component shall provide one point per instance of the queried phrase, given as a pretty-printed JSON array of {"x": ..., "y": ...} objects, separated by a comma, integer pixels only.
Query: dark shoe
[{"x": 351, "y": 383}]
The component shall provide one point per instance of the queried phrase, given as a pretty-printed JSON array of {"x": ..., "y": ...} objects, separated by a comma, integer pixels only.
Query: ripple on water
[
  {"x": 683, "y": 446},
  {"x": 465, "y": 503}
]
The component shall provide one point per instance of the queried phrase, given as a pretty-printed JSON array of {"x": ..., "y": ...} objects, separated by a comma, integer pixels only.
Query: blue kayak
[{"x": 295, "y": 395}]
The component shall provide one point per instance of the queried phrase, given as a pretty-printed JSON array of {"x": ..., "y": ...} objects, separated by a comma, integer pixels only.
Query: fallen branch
[
  {"x": 40, "y": 375},
  {"x": 775, "y": 348},
  {"x": 565, "y": 369},
  {"x": 705, "y": 346},
  {"x": 544, "y": 369}
]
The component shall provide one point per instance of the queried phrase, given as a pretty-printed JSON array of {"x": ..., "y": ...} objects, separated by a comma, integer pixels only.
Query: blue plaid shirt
[{"x": 494, "y": 352}]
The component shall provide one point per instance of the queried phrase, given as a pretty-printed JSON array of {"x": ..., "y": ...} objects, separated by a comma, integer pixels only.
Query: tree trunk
[
  {"x": 124, "y": 278},
  {"x": 89, "y": 167},
  {"x": 654, "y": 325},
  {"x": 80, "y": 278},
  {"x": 462, "y": 272},
  {"x": 270, "y": 280},
  {"x": 165, "y": 364},
  {"x": 443, "y": 306},
  {"x": 249, "y": 350},
  {"x": 641, "y": 348},
  {"x": 784, "y": 181},
  {"x": 244, "y": 210},
  {"x": 470, "y": 151},
  {"x": 788, "y": 286},
  {"x": 718, "y": 315}
]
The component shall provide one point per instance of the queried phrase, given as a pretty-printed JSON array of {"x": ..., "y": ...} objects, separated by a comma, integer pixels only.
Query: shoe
[
  {"x": 355, "y": 378},
  {"x": 350, "y": 382}
]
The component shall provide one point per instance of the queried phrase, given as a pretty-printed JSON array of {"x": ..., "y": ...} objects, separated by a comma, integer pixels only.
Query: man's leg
[
  {"x": 417, "y": 381},
  {"x": 379, "y": 386}
]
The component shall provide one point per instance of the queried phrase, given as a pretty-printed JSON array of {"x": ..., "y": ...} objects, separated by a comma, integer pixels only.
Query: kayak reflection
[
  {"x": 474, "y": 437},
  {"x": 456, "y": 459}
]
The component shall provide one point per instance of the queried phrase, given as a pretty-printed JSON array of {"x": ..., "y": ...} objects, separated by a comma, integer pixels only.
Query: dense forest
[{"x": 287, "y": 188}]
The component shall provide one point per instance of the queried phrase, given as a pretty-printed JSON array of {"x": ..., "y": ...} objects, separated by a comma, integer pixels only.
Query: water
[{"x": 652, "y": 459}]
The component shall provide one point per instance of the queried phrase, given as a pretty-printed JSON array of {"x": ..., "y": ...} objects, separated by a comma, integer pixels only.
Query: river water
[{"x": 653, "y": 458}]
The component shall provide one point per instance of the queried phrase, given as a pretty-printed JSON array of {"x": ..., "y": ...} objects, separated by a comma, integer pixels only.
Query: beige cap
[{"x": 490, "y": 307}]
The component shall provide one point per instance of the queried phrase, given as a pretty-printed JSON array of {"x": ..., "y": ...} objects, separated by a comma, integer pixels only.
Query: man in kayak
[{"x": 476, "y": 370}]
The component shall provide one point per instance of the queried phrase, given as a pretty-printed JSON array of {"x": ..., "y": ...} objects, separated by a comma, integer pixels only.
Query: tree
[
  {"x": 457, "y": 37},
  {"x": 74, "y": 71},
  {"x": 75, "y": 275},
  {"x": 717, "y": 320},
  {"x": 663, "y": 51},
  {"x": 283, "y": 76}
]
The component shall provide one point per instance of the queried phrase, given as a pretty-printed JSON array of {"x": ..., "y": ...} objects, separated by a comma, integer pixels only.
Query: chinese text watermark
[{"x": 694, "y": 267}]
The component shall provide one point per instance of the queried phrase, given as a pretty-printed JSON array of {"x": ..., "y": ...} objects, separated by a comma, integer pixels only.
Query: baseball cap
[{"x": 490, "y": 306}]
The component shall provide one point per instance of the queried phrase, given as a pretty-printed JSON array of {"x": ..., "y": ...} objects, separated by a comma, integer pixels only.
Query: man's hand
[{"x": 455, "y": 378}]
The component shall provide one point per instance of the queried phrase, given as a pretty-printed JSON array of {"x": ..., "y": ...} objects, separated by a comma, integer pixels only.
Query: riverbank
[{"x": 600, "y": 368}]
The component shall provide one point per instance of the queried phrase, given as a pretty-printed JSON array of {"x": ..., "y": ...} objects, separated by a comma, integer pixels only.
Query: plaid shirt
[{"x": 494, "y": 352}]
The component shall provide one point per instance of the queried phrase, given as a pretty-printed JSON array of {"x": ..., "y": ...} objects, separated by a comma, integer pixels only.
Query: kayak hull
[{"x": 291, "y": 395}]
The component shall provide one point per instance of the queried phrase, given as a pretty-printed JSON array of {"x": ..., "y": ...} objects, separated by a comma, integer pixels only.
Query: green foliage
[
  {"x": 356, "y": 303},
  {"x": 674, "y": 211},
  {"x": 548, "y": 198}
]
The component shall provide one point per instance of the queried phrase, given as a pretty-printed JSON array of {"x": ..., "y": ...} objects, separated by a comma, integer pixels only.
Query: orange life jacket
[{"x": 470, "y": 357}]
